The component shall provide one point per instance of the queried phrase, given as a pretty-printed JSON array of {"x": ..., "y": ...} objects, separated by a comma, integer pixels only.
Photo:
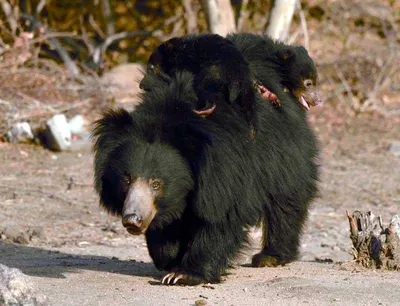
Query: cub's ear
[{"x": 286, "y": 55}]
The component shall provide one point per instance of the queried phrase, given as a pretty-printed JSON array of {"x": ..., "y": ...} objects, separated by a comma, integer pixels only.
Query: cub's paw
[{"x": 266, "y": 94}]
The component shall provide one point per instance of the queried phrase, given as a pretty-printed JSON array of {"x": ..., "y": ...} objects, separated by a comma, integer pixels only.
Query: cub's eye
[
  {"x": 308, "y": 83},
  {"x": 127, "y": 179},
  {"x": 155, "y": 184},
  {"x": 152, "y": 68}
]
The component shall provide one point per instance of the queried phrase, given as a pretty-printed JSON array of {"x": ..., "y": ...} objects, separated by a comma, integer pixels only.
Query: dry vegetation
[{"x": 52, "y": 53}]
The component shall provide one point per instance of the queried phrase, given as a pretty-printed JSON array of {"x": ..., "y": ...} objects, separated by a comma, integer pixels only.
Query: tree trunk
[
  {"x": 280, "y": 19},
  {"x": 373, "y": 245},
  {"x": 220, "y": 16},
  {"x": 190, "y": 16},
  {"x": 108, "y": 16}
]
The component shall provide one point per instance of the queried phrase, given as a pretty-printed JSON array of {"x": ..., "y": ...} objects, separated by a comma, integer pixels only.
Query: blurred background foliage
[{"x": 355, "y": 44}]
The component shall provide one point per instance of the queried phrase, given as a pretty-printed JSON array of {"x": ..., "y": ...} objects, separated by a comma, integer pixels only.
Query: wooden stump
[{"x": 373, "y": 245}]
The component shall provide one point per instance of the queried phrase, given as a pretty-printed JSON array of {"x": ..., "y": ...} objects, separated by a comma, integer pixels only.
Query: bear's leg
[
  {"x": 167, "y": 245},
  {"x": 282, "y": 229},
  {"x": 212, "y": 249}
]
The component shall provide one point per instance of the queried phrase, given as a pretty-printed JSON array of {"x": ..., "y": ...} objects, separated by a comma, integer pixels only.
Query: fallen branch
[
  {"x": 51, "y": 111},
  {"x": 100, "y": 51},
  {"x": 303, "y": 26},
  {"x": 108, "y": 16},
  {"x": 54, "y": 42},
  {"x": 11, "y": 19},
  {"x": 242, "y": 15},
  {"x": 40, "y": 7},
  {"x": 373, "y": 245},
  {"x": 190, "y": 16}
]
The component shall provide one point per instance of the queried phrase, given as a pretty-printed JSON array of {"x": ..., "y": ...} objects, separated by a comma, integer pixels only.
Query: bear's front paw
[
  {"x": 179, "y": 278},
  {"x": 261, "y": 260}
]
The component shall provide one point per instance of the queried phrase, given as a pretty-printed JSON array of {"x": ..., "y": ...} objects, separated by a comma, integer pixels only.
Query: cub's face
[
  {"x": 301, "y": 76},
  {"x": 161, "y": 63}
]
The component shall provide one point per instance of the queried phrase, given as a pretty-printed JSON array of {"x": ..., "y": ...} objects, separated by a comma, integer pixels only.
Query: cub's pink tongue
[{"x": 304, "y": 103}]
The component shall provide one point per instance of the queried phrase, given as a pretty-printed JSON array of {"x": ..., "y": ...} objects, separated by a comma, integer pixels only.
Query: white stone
[
  {"x": 20, "y": 132},
  {"x": 58, "y": 133},
  {"x": 76, "y": 124}
]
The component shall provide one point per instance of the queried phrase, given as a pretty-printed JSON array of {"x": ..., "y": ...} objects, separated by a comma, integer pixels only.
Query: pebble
[
  {"x": 20, "y": 132},
  {"x": 200, "y": 302},
  {"x": 83, "y": 243},
  {"x": 395, "y": 148}
]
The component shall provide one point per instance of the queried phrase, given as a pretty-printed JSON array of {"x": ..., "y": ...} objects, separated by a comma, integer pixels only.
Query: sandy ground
[{"x": 78, "y": 255}]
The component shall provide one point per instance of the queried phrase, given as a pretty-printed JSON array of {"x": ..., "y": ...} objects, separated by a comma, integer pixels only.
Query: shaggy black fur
[
  {"x": 276, "y": 65},
  {"x": 220, "y": 72},
  {"x": 219, "y": 182}
]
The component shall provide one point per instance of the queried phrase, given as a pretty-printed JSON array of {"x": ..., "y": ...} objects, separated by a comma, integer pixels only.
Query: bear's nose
[{"x": 132, "y": 220}]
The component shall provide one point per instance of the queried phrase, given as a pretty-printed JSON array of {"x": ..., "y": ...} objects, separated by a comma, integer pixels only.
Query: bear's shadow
[{"x": 39, "y": 262}]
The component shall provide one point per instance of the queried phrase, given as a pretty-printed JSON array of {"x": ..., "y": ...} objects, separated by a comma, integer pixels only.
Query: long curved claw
[
  {"x": 178, "y": 277},
  {"x": 166, "y": 279},
  {"x": 173, "y": 278}
]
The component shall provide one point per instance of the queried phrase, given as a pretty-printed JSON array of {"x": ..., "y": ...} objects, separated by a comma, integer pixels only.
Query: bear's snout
[{"x": 132, "y": 221}]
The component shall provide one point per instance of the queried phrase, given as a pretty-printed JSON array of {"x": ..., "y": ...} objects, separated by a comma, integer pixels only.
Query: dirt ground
[{"x": 78, "y": 255}]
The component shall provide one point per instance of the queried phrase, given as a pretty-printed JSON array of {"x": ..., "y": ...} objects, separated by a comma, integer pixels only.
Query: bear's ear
[
  {"x": 108, "y": 129},
  {"x": 172, "y": 43},
  {"x": 286, "y": 56}
]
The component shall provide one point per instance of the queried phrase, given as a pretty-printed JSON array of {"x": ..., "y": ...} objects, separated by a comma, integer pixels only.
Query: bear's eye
[
  {"x": 127, "y": 179},
  {"x": 155, "y": 184},
  {"x": 152, "y": 68},
  {"x": 308, "y": 83}
]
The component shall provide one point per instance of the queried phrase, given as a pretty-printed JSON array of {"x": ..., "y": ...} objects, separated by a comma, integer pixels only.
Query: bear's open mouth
[
  {"x": 304, "y": 103},
  {"x": 135, "y": 231}
]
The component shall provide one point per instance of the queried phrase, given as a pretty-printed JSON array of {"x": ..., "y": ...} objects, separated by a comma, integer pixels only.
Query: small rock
[
  {"x": 208, "y": 286},
  {"x": 395, "y": 148},
  {"x": 16, "y": 288},
  {"x": 83, "y": 243},
  {"x": 20, "y": 132},
  {"x": 200, "y": 302},
  {"x": 24, "y": 153},
  {"x": 58, "y": 133},
  {"x": 16, "y": 234}
]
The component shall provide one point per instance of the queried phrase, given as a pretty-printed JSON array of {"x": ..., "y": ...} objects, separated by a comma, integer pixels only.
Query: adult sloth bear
[{"x": 194, "y": 185}]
